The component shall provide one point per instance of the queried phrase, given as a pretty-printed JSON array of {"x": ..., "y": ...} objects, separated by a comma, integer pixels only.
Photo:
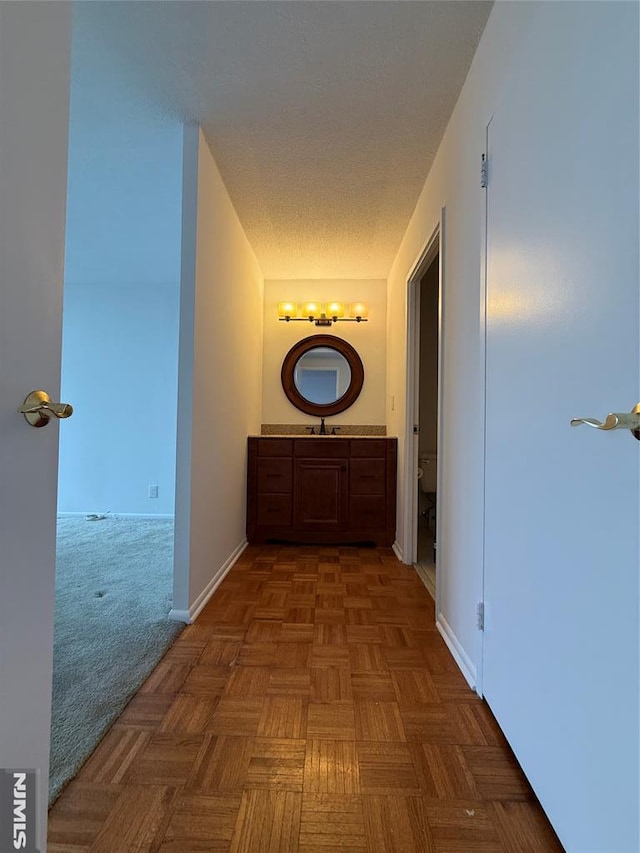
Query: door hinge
[
  {"x": 480, "y": 616},
  {"x": 484, "y": 173},
  {"x": 416, "y": 429}
]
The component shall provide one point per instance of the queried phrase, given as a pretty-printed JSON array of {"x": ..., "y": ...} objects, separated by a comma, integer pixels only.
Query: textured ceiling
[{"x": 324, "y": 117}]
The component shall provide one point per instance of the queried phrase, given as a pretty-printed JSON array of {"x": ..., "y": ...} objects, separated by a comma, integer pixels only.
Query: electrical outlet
[{"x": 153, "y": 490}]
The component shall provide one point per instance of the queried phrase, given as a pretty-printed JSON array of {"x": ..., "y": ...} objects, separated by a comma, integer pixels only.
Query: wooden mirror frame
[{"x": 288, "y": 373}]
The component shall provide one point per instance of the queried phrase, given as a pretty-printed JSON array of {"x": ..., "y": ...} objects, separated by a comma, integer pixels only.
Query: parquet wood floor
[{"x": 312, "y": 707}]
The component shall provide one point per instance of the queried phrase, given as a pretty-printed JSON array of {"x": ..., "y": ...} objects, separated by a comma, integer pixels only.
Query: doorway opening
[
  {"x": 117, "y": 453},
  {"x": 423, "y": 436},
  {"x": 427, "y": 388}
]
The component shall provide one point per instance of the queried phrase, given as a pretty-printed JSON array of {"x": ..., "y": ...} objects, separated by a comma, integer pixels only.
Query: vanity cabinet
[{"x": 331, "y": 490}]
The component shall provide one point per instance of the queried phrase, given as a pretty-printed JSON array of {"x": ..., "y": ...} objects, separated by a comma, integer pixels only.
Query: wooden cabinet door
[{"x": 321, "y": 494}]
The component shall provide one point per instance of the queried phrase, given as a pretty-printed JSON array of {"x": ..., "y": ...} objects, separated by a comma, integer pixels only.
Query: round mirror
[{"x": 322, "y": 375}]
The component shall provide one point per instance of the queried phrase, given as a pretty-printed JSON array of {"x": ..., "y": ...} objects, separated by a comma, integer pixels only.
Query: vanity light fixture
[{"x": 322, "y": 315}]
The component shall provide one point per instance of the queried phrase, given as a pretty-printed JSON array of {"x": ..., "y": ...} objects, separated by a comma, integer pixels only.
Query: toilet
[
  {"x": 428, "y": 479},
  {"x": 428, "y": 472}
]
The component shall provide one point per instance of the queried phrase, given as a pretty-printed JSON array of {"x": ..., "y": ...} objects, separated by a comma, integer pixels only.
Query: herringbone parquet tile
[{"x": 312, "y": 707}]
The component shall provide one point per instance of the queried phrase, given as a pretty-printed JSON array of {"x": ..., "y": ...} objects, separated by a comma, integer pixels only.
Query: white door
[
  {"x": 562, "y": 503},
  {"x": 34, "y": 94}
]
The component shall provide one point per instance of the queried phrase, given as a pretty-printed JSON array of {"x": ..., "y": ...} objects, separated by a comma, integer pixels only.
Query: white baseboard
[
  {"x": 148, "y": 515},
  {"x": 180, "y": 616},
  {"x": 463, "y": 660},
  {"x": 192, "y": 613},
  {"x": 140, "y": 515},
  {"x": 397, "y": 550}
]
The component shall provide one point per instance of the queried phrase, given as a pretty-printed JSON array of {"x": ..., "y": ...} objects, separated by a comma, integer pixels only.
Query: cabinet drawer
[
  {"x": 321, "y": 448},
  {"x": 275, "y": 475},
  {"x": 274, "y": 510},
  {"x": 367, "y": 476},
  {"x": 367, "y": 511},
  {"x": 372, "y": 447},
  {"x": 274, "y": 446}
]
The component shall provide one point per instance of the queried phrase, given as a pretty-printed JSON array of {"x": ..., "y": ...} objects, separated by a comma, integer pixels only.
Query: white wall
[
  {"x": 122, "y": 273},
  {"x": 123, "y": 207},
  {"x": 518, "y": 37},
  {"x": 369, "y": 339},
  {"x": 454, "y": 183},
  {"x": 119, "y": 370},
  {"x": 220, "y": 376}
]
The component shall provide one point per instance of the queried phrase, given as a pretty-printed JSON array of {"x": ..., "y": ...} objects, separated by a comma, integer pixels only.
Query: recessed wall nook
[{"x": 318, "y": 483}]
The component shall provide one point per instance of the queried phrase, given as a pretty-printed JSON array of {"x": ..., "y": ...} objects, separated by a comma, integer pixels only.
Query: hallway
[{"x": 312, "y": 707}]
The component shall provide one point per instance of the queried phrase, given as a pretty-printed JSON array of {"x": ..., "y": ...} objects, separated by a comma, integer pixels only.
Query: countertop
[{"x": 309, "y": 435}]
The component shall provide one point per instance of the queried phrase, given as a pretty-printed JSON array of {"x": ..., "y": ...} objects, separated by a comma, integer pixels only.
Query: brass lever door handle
[
  {"x": 614, "y": 420},
  {"x": 38, "y": 409}
]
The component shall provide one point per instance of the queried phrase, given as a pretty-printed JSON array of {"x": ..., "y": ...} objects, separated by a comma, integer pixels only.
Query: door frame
[{"x": 434, "y": 245}]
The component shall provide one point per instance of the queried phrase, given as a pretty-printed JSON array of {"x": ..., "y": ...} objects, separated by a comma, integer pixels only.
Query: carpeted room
[
  {"x": 114, "y": 567},
  {"x": 114, "y": 578}
]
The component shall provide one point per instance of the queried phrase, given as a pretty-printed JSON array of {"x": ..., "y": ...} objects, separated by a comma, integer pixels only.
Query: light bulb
[
  {"x": 358, "y": 309},
  {"x": 287, "y": 309},
  {"x": 311, "y": 309}
]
